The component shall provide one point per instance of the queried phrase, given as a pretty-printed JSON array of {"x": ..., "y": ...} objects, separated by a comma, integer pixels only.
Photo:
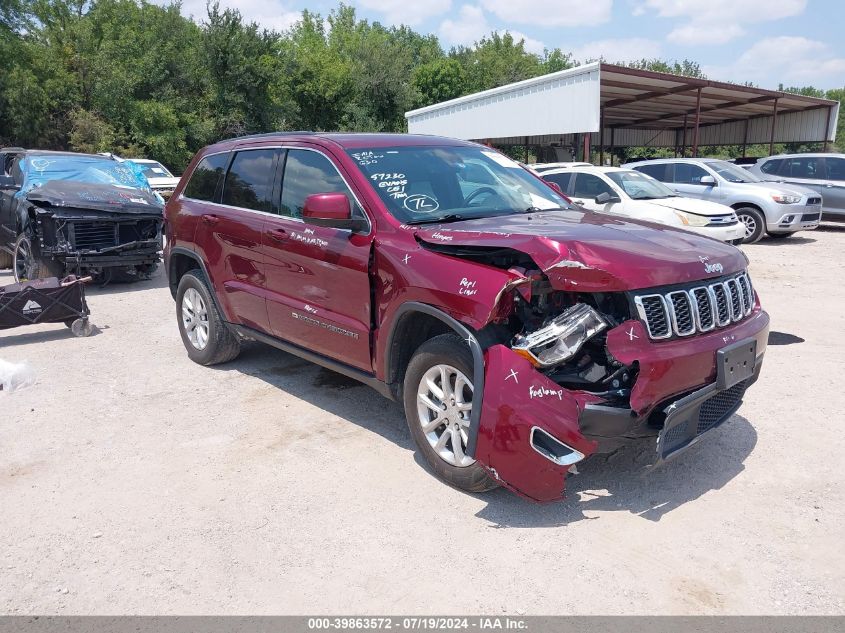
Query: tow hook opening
[{"x": 553, "y": 449}]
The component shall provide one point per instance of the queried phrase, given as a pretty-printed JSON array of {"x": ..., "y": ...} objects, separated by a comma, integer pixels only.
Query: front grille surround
[{"x": 703, "y": 308}]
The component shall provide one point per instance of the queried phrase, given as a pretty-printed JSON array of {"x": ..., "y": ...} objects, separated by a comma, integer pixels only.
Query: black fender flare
[
  {"x": 477, "y": 355},
  {"x": 181, "y": 250}
]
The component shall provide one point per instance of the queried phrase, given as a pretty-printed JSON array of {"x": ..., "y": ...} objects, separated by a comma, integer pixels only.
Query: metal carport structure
[{"x": 604, "y": 106}]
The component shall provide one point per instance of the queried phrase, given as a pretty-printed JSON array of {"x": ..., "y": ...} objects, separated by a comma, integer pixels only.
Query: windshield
[
  {"x": 640, "y": 186},
  {"x": 40, "y": 169},
  {"x": 421, "y": 184},
  {"x": 731, "y": 172},
  {"x": 152, "y": 169}
]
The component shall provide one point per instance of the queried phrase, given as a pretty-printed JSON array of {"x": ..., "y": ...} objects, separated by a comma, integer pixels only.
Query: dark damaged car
[
  {"x": 63, "y": 212},
  {"x": 521, "y": 334}
]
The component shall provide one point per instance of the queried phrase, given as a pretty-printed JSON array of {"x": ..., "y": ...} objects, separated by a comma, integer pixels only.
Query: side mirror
[
  {"x": 7, "y": 182},
  {"x": 604, "y": 198},
  {"x": 331, "y": 210},
  {"x": 707, "y": 181},
  {"x": 554, "y": 186}
]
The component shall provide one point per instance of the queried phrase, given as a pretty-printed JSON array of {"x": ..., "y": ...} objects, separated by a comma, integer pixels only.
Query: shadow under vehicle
[{"x": 64, "y": 212}]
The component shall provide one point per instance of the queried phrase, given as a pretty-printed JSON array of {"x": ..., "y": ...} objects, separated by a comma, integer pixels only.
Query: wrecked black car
[{"x": 68, "y": 213}]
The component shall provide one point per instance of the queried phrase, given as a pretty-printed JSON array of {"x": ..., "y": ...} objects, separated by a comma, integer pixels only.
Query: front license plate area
[{"x": 735, "y": 363}]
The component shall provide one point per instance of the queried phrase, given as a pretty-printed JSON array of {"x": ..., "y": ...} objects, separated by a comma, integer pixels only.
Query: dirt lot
[{"x": 134, "y": 481}]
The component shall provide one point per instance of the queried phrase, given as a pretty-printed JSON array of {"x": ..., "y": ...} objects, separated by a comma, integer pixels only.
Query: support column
[
  {"x": 612, "y": 134},
  {"x": 774, "y": 123},
  {"x": 827, "y": 127},
  {"x": 601, "y": 136},
  {"x": 684, "y": 146},
  {"x": 697, "y": 122},
  {"x": 745, "y": 140},
  {"x": 586, "y": 152}
]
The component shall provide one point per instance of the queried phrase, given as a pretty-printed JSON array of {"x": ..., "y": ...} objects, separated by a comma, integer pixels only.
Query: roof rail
[{"x": 266, "y": 134}]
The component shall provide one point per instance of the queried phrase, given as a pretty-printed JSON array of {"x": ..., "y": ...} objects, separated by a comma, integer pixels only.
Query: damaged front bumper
[{"x": 684, "y": 389}]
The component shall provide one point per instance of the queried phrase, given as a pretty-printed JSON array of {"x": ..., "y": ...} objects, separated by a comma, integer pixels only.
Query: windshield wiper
[{"x": 452, "y": 217}]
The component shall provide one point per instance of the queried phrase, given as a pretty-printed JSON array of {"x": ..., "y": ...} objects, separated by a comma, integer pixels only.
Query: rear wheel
[
  {"x": 27, "y": 266},
  {"x": 205, "y": 334},
  {"x": 754, "y": 223},
  {"x": 438, "y": 398}
]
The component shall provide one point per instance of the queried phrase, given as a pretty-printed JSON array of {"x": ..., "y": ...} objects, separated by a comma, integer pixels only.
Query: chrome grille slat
[{"x": 700, "y": 309}]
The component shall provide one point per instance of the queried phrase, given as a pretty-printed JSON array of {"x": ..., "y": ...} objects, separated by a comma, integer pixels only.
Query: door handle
[
  {"x": 210, "y": 219},
  {"x": 278, "y": 235},
  {"x": 828, "y": 185}
]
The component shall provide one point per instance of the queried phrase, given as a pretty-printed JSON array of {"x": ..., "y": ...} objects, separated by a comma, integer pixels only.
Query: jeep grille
[{"x": 698, "y": 309}]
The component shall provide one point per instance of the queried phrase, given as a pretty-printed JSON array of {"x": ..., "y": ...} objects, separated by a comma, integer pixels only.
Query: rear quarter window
[
  {"x": 771, "y": 166},
  {"x": 658, "y": 172},
  {"x": 562, "y": 180},
  {"x": 206, "y": 177}
]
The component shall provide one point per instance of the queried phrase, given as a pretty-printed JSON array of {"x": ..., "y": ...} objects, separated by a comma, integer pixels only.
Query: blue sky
[{"x": 794, "y": 42}]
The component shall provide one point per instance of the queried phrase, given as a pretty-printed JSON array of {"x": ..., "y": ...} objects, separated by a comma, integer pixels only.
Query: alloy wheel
[
  {"x": 750, "y": 224},
  {"x": 444, "y": 405},
  {"x": 195, "y": 318},
  {"x": 24, "y": 263}
]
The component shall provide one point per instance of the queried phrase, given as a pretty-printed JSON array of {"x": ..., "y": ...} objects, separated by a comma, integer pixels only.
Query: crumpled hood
[
  {"x": 693, "y": 205},
  {"x": 80, "y": 195},
  {"x": 581, "y": 250}
]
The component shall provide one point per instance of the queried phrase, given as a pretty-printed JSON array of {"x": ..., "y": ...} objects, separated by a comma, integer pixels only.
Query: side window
[
  {"x": 562, "y": 180},
  {"x": 249, "y": 183},
  {"x": 658, "y": 172},
  {"x": 835, "y": 168},
  {"x": 206, "y": 177},
  {"x": 589, "y": 186},
  {"x": 689, "y": 174},
  {"x": 771, "y": 166},
  {"x": 803, "y": 167},
  {"x": 307, "y": 173}
]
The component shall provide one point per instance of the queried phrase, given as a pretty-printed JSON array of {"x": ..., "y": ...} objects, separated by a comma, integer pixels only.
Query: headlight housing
[
  {"x": 784, "y": 198},
  {"x": 561, "y": 338},
  {"x": 692, "y": 219}
]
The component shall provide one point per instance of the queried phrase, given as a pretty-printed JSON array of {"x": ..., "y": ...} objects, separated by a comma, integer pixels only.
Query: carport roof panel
[{"x": 629, "y": 98}]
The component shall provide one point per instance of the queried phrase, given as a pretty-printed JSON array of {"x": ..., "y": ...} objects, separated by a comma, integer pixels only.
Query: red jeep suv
[{"x": 522, "y": 334}]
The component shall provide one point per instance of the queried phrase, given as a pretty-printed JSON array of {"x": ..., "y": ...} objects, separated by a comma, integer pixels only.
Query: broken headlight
[{"x": 561, "y": 338}]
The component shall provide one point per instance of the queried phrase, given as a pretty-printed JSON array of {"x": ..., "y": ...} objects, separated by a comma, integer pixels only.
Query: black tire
[
  {"x": 221, "y": 344},
  {"x": 26, "y": 266},
  {"x": 780, "y": 236},
  {"x": 446, "y": 349},
  {"x": 752, "y": 217}
]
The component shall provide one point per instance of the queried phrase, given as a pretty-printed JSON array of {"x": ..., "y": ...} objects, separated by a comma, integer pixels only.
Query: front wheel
[
  {"x": 205, "y": 334},
  {"x": 438, "y": 398},
  {"x": 755, "y": 224},
  {"x": 26, "y": 265}
]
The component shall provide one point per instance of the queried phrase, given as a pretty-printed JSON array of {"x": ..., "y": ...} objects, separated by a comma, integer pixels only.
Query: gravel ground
[{"x": 134, "y": 481}]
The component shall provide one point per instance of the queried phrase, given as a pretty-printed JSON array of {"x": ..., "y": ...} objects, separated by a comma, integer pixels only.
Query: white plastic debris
[{"x": 15, "y": 376}]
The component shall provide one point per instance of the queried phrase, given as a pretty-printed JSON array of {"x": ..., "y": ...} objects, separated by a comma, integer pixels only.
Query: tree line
[{"x": 140, "y": 79}]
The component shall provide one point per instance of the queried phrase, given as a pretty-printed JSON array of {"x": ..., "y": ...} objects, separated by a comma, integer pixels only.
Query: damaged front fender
[{"x": 521, "y": 409}]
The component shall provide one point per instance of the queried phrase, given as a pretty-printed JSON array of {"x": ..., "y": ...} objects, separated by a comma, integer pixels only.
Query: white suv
[
  {"x": 629, "y": 193},
  {"x": 777, "y": 209}
]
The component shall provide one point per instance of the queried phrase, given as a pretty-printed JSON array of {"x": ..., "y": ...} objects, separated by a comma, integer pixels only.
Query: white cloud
[
  {"x": 268, "y": 14},
  {"x": 718, "y": 21},
  {"x": 791, "y": 60},
  {"x": 619, "y": 50},
  {"x": 471, "y": 25},
  {"x": 551, "y": 12},
  {"x": 405, "y": 11},
  {"x": 530, "y": 44}
]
